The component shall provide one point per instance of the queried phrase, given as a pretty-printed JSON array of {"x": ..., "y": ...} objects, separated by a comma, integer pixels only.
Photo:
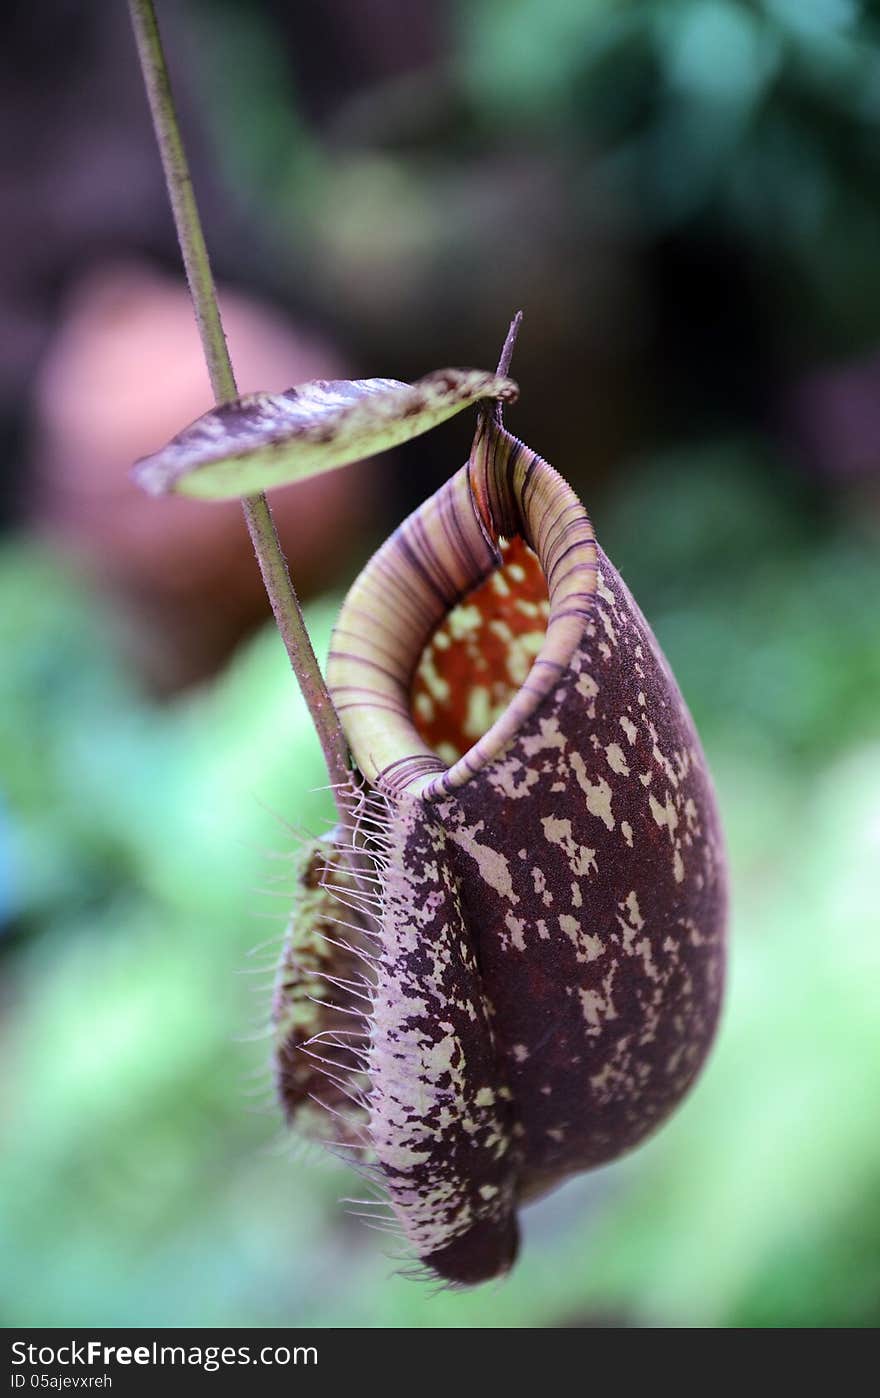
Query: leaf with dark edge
[{"x": 271, "y": 439}]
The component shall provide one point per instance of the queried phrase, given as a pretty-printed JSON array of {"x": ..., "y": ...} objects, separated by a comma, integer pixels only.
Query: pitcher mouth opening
[
  {"x": 481, "y": 654},
  {"x": 505, "y": 513}
]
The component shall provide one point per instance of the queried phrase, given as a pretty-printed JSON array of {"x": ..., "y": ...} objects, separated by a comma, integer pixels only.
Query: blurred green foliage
[
  {"x": 754, "y": 121},
  {"x": 145, "y": 1180},
  {"x": 757, "y": 117}
]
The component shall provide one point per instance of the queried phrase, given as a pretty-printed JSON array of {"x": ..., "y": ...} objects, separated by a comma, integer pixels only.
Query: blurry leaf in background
[{"x": 758, "y": 121}]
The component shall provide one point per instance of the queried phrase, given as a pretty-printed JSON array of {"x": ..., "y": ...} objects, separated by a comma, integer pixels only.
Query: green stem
[{"x": 261, "y": 526}]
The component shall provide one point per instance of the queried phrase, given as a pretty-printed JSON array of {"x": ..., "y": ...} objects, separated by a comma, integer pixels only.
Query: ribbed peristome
[{"x": 436, "y": 557}]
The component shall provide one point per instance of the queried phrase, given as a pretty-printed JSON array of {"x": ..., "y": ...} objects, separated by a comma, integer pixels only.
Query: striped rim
[{"x": 437, "y": 556}]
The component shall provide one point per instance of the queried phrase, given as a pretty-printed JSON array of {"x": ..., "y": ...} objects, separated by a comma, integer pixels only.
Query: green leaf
[{"x": 271, "y": 439}]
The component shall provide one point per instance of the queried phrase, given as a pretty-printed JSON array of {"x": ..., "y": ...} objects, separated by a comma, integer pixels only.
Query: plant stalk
[{"x": 258, "y": 515}]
